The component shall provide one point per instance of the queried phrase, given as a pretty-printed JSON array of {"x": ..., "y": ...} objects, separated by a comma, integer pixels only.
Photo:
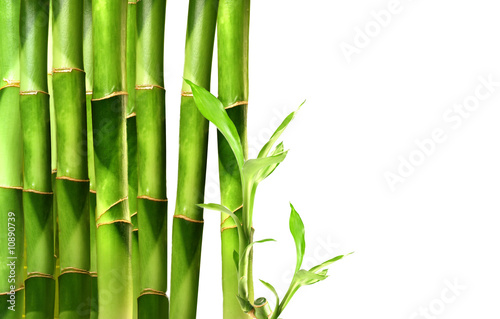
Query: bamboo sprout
[
  {"x": 151, "y": 159},
  {"x": 11, "y": 161},
  {"x": 88, "y": 65},
  {"x": 72, "y": 183},
  {"x": 132, "y": 146},
  {"x": 232, "y": 34},
  {"x": 109, "y": 100},
  {"x": 193, "y": 143},
  {"x": 37, "y": 193}
]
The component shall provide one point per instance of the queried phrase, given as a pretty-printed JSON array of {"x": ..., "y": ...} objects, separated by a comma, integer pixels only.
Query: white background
[{"x": 361, "y": 118}]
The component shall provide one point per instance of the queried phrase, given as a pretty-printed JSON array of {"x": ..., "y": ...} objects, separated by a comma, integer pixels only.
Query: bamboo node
[
  {"x": 93, "y": 274},
  {"x": 16, "y": 290},
  {"x": 66, "y": 70},
  {"x": 186, "y": 93},
  {"x": 72, "y": 179},
  {"x": 189, "y": 219},
  {"x": 40, "y": 275},
  {"x": 26, "y": 190},
  {"x": 11, "y": 187},
  {"x": 132, "y": 215},
  {"x": 228, "y": 227},
  {"x": 229, "y": 216},
  {"x": 152, "y": 198},
  {"x": 88, "y": 92},
  {"x": 151, "y": 291},
  {"x": 131, "y": 115},
  {"x": 236, "y": 104},
  {"x": 93, "y": 191},
  {"x": 112, "y": 205},
  {"x": 33, "y": 92},
  {"x": 114, "y": 222},
  {"x": 74, "y": 270},
  {"x": 148, "y": 87},
  {"x": 117, "y": 93},
  {"x": 12, "y": 82}
]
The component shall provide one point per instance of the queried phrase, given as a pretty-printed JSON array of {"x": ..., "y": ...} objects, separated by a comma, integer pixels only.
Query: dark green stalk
[
  {"x": 132, "y": 146},
  {"x": 232, "y": 35},
  {"x": 109, "y": 101},
  {"x": 193, "y": 143},
  {"x": 88, "y": 64},
  {"x": 151, "y": 159},
  {"x": 11, "y": 170},
  {"x": 37, "y": 193}
]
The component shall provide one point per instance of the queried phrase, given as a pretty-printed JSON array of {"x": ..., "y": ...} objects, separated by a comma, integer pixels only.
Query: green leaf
[
  {"x": 270, "y": 169},
  {"x": 253, "y": 168},
  {"x": 276, "y": 308},
  {"x": 213, "y": 110},
  {"x": 221, "y": 208},
  {"x": 246, "y": 253},
  {"x": 328, "y": 262},
  {"x": 236, "y": 259},
  {"x": 267, "y": 147},
  {"x": 298, "y": 233}
]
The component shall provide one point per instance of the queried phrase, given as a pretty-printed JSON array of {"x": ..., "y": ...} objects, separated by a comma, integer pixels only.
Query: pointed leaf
[
  {"x": 270, "y": 169},
  {"x": 267, "y": 147},
  {"x": 328, "y": 262},
  {"x": 298, "y": 233},
  {"x": 254, "y": 167},
  {"x": 213, "y": 110},
  {"x": 270, "y": 287}
]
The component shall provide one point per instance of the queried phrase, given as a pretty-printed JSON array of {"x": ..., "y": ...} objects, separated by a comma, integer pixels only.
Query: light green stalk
[
  {"x": 132, "y": 146},
  {"x": 151, "y": 159},
  {"x": 37, "y": 195},
  {"x": 193, "y": 143},
  {"x": 88, "y": 64},
  {"x": 109, "y": 101},
  {"x": 232, "y": 36},
  {"x": 11, "y": 161},
  {"x": 72, "y": 183}
]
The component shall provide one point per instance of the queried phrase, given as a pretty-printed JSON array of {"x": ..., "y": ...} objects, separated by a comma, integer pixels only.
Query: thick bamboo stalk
[
  {"x": 72, "y": 183},
  {"x": 232, "y": 41},
  {"x": 193, "y": 142},
  {"x": 132, "y": 146},
  {"x": 109, "y": 100},
  {"x": 37, "y": 193},
  {"x": 11, "y": 161},
  {"x": 151, "y": 159},
  {"x": 88, "y": 65}
]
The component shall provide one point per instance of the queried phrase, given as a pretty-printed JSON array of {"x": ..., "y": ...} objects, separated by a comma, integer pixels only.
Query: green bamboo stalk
[
  {"x": 11, "y": 159},
  {"x": 109, "y": 100},
  {"x": 88, "y": 66},
  {"x": 132, "y": 146},
  {"x": 193, "y": 142},
  {"x": 232, "y": 34},
  {"x": 72, "y": 183},
  {"x": 37, "y": 193},
  {"x": 151, "y": 159}
]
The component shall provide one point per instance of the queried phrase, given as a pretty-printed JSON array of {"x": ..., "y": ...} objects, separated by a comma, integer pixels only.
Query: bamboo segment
[
  {"x": 132, "y": 146},
  {"x": 233, "y": 35},
  {"x": 193, "y": 143},
  {"x": 88, "y": 64},
  {"x": 37, "y": 195},
  {"x": 72, "y": 183},
  {"x": 11, "y": 161},
  {"x": 109, "y": 100},
  {"x": 151, "y": 159}
]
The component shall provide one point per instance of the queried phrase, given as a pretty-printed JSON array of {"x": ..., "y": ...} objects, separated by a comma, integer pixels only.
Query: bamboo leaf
[
  {"x": 270, "y": 169},
  {"x": 254, "y": 169},
  {"x": 223, "y": 209},
  {"x": 213, "y": 110},
  {"x": 267, "y": 147},
  {"x": 328, "y": 262},
  {"x": 298, "y": 233},
  {"x": 273, "y": 290}
]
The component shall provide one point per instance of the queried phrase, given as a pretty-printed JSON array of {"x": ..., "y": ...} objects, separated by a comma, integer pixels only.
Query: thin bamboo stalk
[
  {"x": 72, "y": 183},
  {"x": 193, "y": 142},
  {"x": 109, "y": 100},
  {"x": 151, "y": 159},
  {"x": 37, "y": 195},
  {"x": 88, "y": 65},
  {"x": 132, "y": 146},
  {"x": 233, "y": 36},
  {"x": 11, "y": 161}
]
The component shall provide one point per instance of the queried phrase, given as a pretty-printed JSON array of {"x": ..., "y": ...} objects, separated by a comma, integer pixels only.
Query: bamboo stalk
[
  {"x": 232, "y": 35},
  {"x": 151, "y": 159},
  {"x": 88, "y": 65},
  {"x": 11, "y": 159},
  {"x": 37, "y": 195},
  {"x": 132, "y": 146},
  {"x": 72, "y": 183},
  {"x": 109, "y": 100},
  {"x": 193, "y": 142}
]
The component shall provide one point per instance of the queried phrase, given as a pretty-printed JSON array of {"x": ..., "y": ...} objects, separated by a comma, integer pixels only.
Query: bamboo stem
[{"x": 193, "y": 144}]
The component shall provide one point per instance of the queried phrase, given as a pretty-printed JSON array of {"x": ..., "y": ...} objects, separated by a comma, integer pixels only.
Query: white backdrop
[{"x": 394, "y": 156}]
